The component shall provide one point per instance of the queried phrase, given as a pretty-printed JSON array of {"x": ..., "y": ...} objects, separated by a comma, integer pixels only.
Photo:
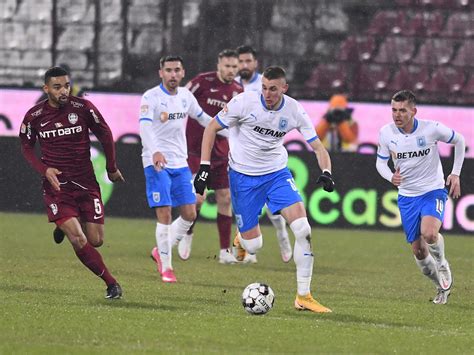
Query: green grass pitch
[{"x": 51, "y": 304}]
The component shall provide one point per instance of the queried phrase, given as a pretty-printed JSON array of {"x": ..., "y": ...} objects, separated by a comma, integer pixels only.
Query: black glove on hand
[
  {"x": 200, "y": 181},
  {"x": 326, "y": 179}
]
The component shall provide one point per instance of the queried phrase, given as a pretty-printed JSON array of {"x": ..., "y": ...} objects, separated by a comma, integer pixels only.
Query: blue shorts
[
  {"x": 169, "y": 187},
  {"x": 412, "y": 209},
  {"x": 250, "y": 193}
]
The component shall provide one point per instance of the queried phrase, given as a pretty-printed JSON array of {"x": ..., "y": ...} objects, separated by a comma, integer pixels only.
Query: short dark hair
[
  {"x": 274, "y": 72},
  {"x": 228, "y": 53},
  {"x": 404, "y": 95},
  {"x": 54, "y": 72},
  {"x": 171, "y": 58},
  {"x": 246, "y": 49}
]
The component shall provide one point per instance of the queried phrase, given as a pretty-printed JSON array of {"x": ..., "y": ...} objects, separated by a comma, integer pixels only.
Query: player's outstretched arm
[{"x": 324, "y": 162}]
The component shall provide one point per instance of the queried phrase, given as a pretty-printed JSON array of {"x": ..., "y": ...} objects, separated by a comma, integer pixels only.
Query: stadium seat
[
  {"x": 446, "y": 80},
  {"x": 9, "y": 58},
  {"x": 409, "y": 77},
  {"x": 39, "y": 36},
  {"x": 112, "y": 13},
  {"x": 435, "y": 51},
  {"x": 76, "y": 37},
  {"x": 386, "y": 21},
  {"x": 110, "y": 61},
  {"x": 468, "y": 88},
  {"x": 328, "y": 78},
  {"x": 423, "y": 23},
  {"x": 372, "y": 77},
  {"x": 395, "y": 50},
  {"x": 358, "y": 48},
  {"x": 37, "y": 59},
  {"x": 459, "y": 24},
  {"x": 12, "y": 35},
  {"x": 39, "y": 10},
  {"x": 465, "y": 54},
  {"x": 110, "y": 38},
  {"x": 140, "y": 14},
  {"x": 76, "y": 60},
  {"x": 7, "y": 9},
  {"x": 139, "y": 43},
  {"x": 73, "y": 11}
]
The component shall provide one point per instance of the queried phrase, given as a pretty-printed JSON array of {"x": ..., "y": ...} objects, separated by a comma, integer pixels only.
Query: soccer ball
[{"x": 258, "y": 298}]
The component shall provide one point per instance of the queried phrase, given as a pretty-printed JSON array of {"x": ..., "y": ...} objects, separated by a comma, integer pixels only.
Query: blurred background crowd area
[{"x": 365, "y": 49}]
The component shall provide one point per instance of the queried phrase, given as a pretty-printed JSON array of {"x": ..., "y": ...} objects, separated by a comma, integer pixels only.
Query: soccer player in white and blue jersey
[
  {"x": 258, "y": 172},
  {"x": 163, "y": 111},
  {"x": 251, "y": 80},
  {"x": 412, "y": 145}
]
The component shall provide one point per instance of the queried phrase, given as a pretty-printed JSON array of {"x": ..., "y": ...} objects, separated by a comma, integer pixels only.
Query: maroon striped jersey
[
  {"x": 63, "y": 136},
  {"x": 212, "y": 95}
]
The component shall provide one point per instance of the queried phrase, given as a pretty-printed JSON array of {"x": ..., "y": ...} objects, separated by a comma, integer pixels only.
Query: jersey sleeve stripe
[
  {"x": 382, "y": 157},
  {"x": 312, "y": 139},
  {"x": 452, "y": 136},
  {"x": 221, "y": 123},
  {"x": 145, "y": 119}
]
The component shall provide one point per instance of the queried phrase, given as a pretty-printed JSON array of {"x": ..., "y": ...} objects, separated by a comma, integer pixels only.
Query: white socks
[
  {"x": 251, "y": 245},
  {"x": 179, "y": 228},
  {"x": 437, "y": 250},
  {"x": 302, "y": 255},
  {"x": 428, "y": 268},
  {"x": 163, "y": 238},
  {"x": 278, "y": 222}
]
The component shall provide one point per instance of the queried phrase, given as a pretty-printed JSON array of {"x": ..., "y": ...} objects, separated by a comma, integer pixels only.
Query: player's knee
[
  {"x": 190, "y": 216},
  {"x": 252, "y": 245},
  {"x": 430, "y": 235},
  {"x": 96, "y": 243},
  {"x": 78, "y": 240},
  {"x": 301, "y": 229}
]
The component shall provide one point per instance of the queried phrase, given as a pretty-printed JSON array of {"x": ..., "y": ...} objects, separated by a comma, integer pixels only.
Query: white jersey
[
  {"x": 256, "y": 133},
  {"x": 166, "y": 134},
  {"x": 416, "y": 154},
  {"x": 254, "y": 84}
]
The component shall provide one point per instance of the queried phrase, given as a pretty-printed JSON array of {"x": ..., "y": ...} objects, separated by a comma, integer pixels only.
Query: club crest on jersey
[
  {"x": 421, "y": 141},
  {"x": 156, "y": 197},
  {"x": 283, "y": 123},
  {"x": 185, "y": 104},
  {"x": 54, "y": 208},
  {"x": 72, "y": 117}
]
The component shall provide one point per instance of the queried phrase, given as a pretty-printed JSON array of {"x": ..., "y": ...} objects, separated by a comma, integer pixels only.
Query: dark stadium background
[{"x": 365, "y": 49}]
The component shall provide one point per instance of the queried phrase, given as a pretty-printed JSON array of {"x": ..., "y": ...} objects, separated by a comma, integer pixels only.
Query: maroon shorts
[
  {"x": 218, "y": 177},
  {"x": 84, "y": 204}
]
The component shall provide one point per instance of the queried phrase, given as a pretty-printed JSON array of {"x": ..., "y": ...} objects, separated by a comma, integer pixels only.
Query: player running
[
  {"x": 163, "y": 111},
  {"x": 71, "y": 193},
  {"x": 258, "y": 173},
  {"x": 412, "y": 145},
  {"x": 251, "y": 80},
  {"x": 212, "y": 91}
]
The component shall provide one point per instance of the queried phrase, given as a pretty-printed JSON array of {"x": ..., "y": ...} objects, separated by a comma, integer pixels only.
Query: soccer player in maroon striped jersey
[
  {"x": 71, "y": 193},
  {"x": 213, "y": 90}
]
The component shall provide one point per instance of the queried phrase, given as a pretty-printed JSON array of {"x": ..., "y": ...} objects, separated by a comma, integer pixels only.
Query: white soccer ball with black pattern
[{"x": 258, "y": 298}]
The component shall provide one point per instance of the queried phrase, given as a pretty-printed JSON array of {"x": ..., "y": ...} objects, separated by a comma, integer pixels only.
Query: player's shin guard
[
  {"x": 252, "y": 245},
  {"x": 163, "y": 242},
  {"x": 92, "y": 259},
  {"x": 429, "y": 269},
  {"x": 224, "y": 226},
  {"x": 179, "y": 228},
  {"x": 277, "y": 221},
  {"x": 437, "y": 250},
  {"x": 302, "y": 254}
]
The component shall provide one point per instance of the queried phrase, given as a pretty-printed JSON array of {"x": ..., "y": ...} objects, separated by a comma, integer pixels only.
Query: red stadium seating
[
  {"x": 423, "y": 23},
  {"x": 435, "y": 51},
  {"x": 410, "y": 77},
  {"x": 465, "y": 54},
  {"x": 446, "y": 80},
  {"x": 359, "y": 48},
  {"x": 372, "y": 77},
  {"x": 328, "y": 78},
  {"x": 386, "y": 21},
  {"x": 395, "y": 50},
  {"x": 459, "y": 24}
]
